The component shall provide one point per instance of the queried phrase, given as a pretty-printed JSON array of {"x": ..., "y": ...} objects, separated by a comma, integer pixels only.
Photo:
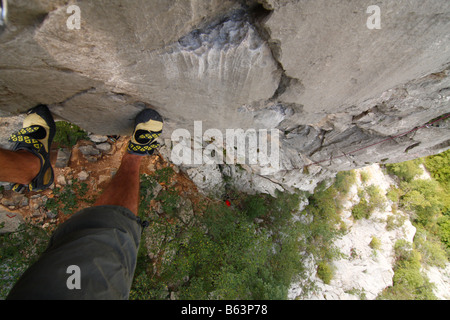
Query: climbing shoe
[
  {"x": 148, "y": 127},
  {"x": 36, "y": 136}
]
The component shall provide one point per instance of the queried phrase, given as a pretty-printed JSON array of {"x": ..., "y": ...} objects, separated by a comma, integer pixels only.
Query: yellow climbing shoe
[
  {"x": 148, "y": 127},
  {"x": 36, "y": 136}
]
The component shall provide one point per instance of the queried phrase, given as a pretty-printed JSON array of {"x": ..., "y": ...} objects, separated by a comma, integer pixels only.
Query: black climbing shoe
[
  {"x": 36, "y": 136},
  {"x": 148, "y": 127}
]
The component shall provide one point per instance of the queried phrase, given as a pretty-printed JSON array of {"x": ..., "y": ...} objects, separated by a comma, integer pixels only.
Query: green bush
[
  {"x": 430, "y": 247},
  {"x": 169, "y": 200},
  {"x": 344, "y": 180},
  {"x": 67, "y": 134},
  {"x": 444, "y": 230},
  {"x": 370, "y": 199},
  {"x": 375, "y": 244},
  {"x": 395, "y": 221},
  {"x": 407, "y": 273},
  {"x": 409, "y": 283},
  {"x": 394, "y": 194},
  {"x": 255, "y": 206},
  {"x": 403, "y": 250},
  {"x": 324, "y": 272},
  {"x": 231, "y": 260},
  {"x": 364, "y": 176},
  {"x": 376, "y": 197},
  {"x": 439, "y": 167},
  {"x": 361, "y": 210},
  {"x": 326, "y": 225},
  {"x": 425, "y": 198},
  {"x": 406, "y": 171}
]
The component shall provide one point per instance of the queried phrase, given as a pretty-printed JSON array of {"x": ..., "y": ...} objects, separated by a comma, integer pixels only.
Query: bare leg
[
  {"x": 123, "y": 190},
  {"x": 18, "y": 166}
]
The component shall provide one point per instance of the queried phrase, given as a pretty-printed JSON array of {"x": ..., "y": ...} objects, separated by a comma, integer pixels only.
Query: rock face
[{"x": 334, "y": 87}]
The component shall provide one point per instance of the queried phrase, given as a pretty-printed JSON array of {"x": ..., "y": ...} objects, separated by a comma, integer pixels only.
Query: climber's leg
[
  {"x": 123, "y": 190},
  {"x": 100, "y": 243},
  {"x": 91, "y": 256},
  {"x": 97, "y": 245},
  {"x": 18, "y": 166}
]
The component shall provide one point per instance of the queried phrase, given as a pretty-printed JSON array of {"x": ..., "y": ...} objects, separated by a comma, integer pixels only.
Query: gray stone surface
[
  {"x": 63, "y": 158},
  {"x": 309, "y": 68},
  {"x": 340, "y": 62},
  {"x": 9, "y": 221}
]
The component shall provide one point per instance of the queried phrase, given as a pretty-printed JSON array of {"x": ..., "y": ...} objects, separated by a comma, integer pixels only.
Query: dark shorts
[{"x": 90, "y": 256}]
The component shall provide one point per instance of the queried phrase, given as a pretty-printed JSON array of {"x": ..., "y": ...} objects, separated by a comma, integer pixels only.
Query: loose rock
[
  {"x": 83, "y": 175},
  {"x": 63, "y": 158},
  {"x": 98, "y": 138},
  {"x": 89, "y": 150},
  {"x": 105, "y": 147},
  {"x": 10, "y": 221}
]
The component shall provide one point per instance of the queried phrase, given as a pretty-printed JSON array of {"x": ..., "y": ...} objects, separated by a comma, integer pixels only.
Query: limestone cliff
[{"x": 342, "y": 94}]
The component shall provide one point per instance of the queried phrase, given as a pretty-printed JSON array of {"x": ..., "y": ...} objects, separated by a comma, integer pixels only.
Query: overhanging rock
[{"x": 312, "y": 69}]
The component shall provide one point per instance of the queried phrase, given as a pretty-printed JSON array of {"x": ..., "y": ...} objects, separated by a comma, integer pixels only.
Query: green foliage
[
  {"x": 229, "y": 263},
  {"x": 406, "y": 171},
  {"x": 425, "y": 198},
  {"x": 169, "y": 201},
  {"x": 68, "y": 134},
  {"x": 444, "y": 230},
  {"x": 344, "y": 180},
  {"x": 326, "y": 226},
  {"x": 254, "y": 206},
  {"x": 439, "y": 167},
  {"x": 409, "y": 282},
  {"x": 377, "y": 198},
  {"x": 164, "y": 175},
  {"x": 147, "y": 185},
  {"x": 394, "y": 194},
  {"x": 357, "y": 292},
  {"x": 361, "y": 210},
  {"x": 403, "y": 249},
  {"x": 375, "y": 244},
  {"x": 18, "y": 251},
  {"x": 395, "y": 221},
  {"x": 225, "y": 254},
  {"x": 430, "y": 247},
  {"x": 324, "y": 272},
  {"x": 364, "y": 176},
  {"x": 371, "y": 198},
  {"x": 323, "y": 205},
  {"x": 67, "y": 199},
  {"x": 428, "y": 204}
]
